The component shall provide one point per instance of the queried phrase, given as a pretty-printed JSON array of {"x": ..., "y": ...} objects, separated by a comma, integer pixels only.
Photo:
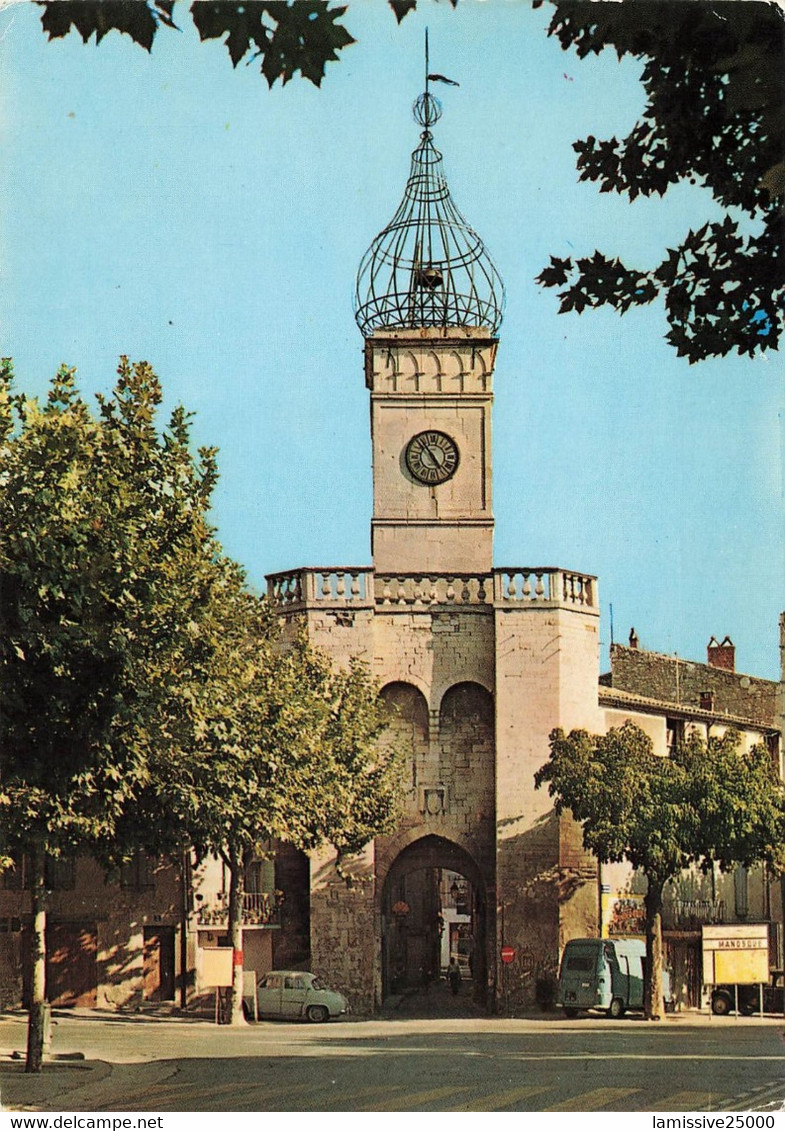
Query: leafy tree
[
  {"x": 707, "y": 804},
  {"x": 267, "y": 743},
  {"x": 286, "y": 35},
  {"x": 103, "y": 550},
  {"x": 715, "y": 115}
]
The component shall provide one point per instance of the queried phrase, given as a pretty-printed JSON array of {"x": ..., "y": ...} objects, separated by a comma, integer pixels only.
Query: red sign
[
  {"x": 507, "y": 954},
  {"x": 237, "y": 958}
]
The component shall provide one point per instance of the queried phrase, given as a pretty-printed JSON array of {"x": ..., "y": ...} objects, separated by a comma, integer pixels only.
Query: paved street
[{"x": 143, "y": 1064}]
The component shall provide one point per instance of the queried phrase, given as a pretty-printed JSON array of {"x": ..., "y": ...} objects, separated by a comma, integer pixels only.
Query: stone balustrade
[
  {"x": 412, "y": 590},
  {"x": 339, "y": 587},
  {"x": 335, "y": 587},
  {"x": 545, "y": 585}
]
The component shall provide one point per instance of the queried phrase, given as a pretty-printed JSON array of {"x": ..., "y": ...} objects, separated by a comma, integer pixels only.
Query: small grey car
[{"x": 295, "y": 994}]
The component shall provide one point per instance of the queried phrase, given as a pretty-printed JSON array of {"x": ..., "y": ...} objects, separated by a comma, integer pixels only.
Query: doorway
[
  {"x": 72, "y": 964},
  {"x": 158, "y": 964}
]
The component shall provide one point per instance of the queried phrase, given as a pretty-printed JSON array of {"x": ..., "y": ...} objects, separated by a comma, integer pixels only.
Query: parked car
[{"x": 295, "y": 994}]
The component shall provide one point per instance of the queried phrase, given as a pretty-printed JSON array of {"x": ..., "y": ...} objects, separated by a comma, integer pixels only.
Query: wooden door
[
  {"x": 72, "y": 964},
  {"x": 158, "y": 975}
]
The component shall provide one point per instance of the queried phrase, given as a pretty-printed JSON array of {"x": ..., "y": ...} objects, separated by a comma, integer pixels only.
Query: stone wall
[
  {"x": 345, "y": 927},
  {"x": 546, "y": 676}
]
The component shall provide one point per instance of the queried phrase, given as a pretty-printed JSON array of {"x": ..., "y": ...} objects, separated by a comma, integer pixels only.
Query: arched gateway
[{"x": 433, "y": 908}]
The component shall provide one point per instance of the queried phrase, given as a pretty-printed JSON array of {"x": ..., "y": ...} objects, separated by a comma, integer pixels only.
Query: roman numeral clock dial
[{"x": 432, "y": 457}]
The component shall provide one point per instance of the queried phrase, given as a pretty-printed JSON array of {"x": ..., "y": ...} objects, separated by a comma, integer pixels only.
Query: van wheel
[
  {"x": 569, "y": 1011},
  {"x": 616, "y": 1008}
]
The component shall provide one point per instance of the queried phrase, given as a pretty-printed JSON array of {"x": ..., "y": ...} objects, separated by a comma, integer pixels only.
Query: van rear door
[{"x": 578, "y": 977}]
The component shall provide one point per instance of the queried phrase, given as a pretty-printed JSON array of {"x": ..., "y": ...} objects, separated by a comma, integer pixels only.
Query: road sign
[{"x": 507, "y": 954}]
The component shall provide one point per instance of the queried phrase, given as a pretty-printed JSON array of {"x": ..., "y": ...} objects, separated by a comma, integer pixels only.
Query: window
[
  {"x": 259, "y": 877},
  {"x": 674, "y": 734},
  {"x": 740, "y": 892},
  {"x": 294, "y": 984},
  {"x": 13, "y": 876},
  {"x": 581, "y": 962},
  {"x": 773, "y": 746},
  {"x": 59, "y": 874},
  {"x": 139, "y": 873}
]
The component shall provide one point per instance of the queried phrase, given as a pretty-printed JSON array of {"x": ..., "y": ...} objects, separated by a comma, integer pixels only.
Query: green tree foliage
[
  {"x": 146, "y": 698},
  {"x": 103, "y": 546},
  {"x": 708, "y": 803},
  {"x": 715, "y": 116},
  {"x": 268, "y": 743}
]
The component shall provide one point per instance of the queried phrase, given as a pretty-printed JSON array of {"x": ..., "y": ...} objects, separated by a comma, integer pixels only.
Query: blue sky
[{"x": 171, "y": 208}]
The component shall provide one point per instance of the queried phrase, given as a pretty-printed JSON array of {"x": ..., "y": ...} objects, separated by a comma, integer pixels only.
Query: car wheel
[
  {"x": 317, "y": 1013},
  {"x": 720, "y": 1004},
  {"x": 570, "y": 1011},
  {"x": 616, "y": 1008}
]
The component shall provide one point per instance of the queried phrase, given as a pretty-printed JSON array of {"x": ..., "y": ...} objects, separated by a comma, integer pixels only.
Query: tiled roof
[{"x": 616, "y": 697}]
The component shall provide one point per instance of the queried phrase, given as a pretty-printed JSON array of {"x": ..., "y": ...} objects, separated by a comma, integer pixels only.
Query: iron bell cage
[{"x": 428, "y": 267}]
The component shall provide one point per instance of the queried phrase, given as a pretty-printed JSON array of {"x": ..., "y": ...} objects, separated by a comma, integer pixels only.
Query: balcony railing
[
  {"x": 691, "y": 914},
  {"x": 352, "y": 587},
  {"x": 260, "y": 909}
]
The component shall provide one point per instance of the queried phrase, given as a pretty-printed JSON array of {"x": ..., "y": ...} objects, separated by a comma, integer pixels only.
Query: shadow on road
[{"x": 437, "y": 1001}]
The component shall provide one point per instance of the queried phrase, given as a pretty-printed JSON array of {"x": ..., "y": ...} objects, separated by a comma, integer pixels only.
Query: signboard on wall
[
  {"x": 216, "y": 967},
  {"x": 736, "y": 954},
  {"x": 623, "y": 916}
]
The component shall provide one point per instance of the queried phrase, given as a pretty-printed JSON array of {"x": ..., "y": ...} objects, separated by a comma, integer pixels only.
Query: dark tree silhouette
[
  {"x": 286, "y": 36},
  {"x": 715, "y": 116}
]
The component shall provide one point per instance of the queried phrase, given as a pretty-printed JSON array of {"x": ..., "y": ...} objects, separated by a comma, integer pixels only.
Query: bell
[{"x": 430, "y": 278}]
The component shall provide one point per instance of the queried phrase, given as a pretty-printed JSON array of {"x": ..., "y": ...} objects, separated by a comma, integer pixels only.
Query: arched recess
[
  {"x": 418, "y": 908},
  {"x": 466, "y": 750},
  {"x": 408, "y": 727}
]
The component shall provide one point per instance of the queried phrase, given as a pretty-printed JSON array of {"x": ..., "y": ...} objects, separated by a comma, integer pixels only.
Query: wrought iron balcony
[
  {"x": 691, "y": 914},
  {"x": 260, "y": 909}
]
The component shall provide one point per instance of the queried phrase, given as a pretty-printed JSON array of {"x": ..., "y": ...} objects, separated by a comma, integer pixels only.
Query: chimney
[
  {"x": 721, "y": 655},
  {"x": 633, "y": 638}
]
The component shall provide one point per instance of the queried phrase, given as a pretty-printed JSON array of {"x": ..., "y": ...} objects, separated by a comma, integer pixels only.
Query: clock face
[{"x": 432, "y": 457}]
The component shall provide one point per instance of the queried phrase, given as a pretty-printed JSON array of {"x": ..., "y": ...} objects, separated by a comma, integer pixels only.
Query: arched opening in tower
[{"x": 434, "y": 934}]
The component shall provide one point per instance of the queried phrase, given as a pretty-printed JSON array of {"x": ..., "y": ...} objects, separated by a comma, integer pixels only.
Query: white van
[{"x": 602, "y": 974}]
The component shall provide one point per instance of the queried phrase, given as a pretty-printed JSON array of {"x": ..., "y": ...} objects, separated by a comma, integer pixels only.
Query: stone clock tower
[
  {"x": 429, "y": 302},
  {"x": 477, "y": 664}
]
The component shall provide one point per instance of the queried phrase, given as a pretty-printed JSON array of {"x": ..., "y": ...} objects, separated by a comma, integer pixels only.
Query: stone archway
[{"x": 434, "y": 903}]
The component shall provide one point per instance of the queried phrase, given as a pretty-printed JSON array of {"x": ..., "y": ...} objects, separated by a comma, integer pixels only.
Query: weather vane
[
  {"x": 433, "y": 77},
  {"x": 427, "y": 108}
]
